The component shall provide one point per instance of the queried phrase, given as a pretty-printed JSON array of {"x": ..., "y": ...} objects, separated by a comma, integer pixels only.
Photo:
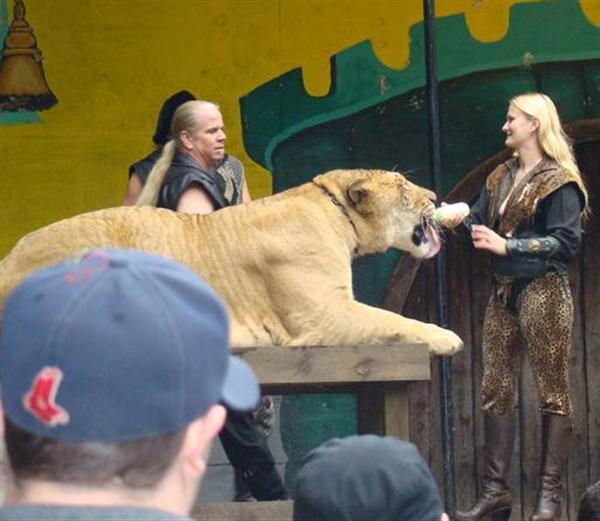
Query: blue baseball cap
[
  {"x": 366, "y": 477},
  {"x": 117, "y": 345}
]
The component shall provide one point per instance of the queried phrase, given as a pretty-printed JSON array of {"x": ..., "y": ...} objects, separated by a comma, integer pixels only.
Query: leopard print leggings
[{"x": 542, "y": 326}]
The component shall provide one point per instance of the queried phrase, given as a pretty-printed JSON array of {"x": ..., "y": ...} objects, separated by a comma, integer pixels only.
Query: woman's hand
[{"x": 486, "y": 239}]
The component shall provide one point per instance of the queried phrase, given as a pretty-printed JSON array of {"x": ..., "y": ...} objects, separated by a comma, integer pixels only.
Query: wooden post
[
  {"x": 396, "y": 407},
  {"x": 383, "y": 409}
]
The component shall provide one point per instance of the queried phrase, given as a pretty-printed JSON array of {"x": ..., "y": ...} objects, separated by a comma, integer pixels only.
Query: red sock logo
[{"x": 40, "y": 399}]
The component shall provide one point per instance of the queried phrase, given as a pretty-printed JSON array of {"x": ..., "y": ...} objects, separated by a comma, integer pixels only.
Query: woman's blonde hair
[
  {"x": 187, "y": 117},
  {"x": 552, "y": 138}
]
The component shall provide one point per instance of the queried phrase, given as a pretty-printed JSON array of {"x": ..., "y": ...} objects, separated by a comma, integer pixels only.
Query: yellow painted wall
[{"x": 111, "y": 63}]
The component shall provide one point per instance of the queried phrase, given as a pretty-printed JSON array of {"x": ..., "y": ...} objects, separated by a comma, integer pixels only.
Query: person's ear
[
  {"x": 535, "y": 124},
  {"x": 185, "y": 138},
  {"x": 198, "y": 438}
]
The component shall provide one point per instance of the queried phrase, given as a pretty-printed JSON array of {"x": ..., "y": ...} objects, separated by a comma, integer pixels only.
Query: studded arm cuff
[{"x": 541, "y": 247}]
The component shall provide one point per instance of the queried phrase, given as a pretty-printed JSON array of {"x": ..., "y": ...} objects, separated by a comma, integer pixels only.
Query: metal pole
[{"x": 435, "y": 166}]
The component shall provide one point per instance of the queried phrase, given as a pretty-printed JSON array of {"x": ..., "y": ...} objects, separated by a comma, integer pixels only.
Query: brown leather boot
[
  {"x": 556, "y": 433},
  {"x": 499, "y": 437}
]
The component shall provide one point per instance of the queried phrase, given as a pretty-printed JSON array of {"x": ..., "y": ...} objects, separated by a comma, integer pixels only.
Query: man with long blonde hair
[
  {"x": 195, "y": 175},
  {"x": 140, "y": 170},
  {"x": 192, "y": 174}
]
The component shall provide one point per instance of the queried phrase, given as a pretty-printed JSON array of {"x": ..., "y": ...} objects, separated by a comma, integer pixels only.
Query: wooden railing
[{"x": 379, "y": 374}]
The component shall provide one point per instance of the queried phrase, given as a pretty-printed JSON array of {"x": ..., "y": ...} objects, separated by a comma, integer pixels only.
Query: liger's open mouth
[{"x": 425, "y": 233}]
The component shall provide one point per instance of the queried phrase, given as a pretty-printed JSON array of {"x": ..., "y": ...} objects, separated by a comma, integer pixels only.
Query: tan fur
[{"x": 282, "y": 263}]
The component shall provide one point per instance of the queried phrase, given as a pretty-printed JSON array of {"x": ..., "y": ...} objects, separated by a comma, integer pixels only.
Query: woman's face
[{"x": 519, "y": 129}]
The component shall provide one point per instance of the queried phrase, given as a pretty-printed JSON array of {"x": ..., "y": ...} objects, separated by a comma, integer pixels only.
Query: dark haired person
[
  {"x": 367, "y": 477},
  {"x": 113, "y": 371}
]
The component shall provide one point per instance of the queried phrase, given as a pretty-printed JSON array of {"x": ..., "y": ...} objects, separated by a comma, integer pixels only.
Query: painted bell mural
[{"x": 23, "y": 85}]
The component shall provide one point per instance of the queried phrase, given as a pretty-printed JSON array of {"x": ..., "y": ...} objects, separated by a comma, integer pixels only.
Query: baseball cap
[
  {"x": 366, "y": 477},
  {"x": 117, "y": 345}
]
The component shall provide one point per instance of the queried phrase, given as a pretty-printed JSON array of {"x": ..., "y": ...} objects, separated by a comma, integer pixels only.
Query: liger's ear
[{"x": 359, "y": 195}]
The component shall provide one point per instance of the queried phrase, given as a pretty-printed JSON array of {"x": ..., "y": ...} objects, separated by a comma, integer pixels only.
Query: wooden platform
[
  {"x": 379, "y": 374},
  {"x": 291, "y": 369},
  {"x": 251, "y": 511}
]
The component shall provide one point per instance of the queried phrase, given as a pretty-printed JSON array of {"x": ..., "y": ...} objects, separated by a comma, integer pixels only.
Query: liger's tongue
[{"x": 434, "y": 242}]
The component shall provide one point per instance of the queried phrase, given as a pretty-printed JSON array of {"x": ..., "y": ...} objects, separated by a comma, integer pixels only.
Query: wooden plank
[
  {"x": 530, "y": 438},
  {"x": 244, "y": 511},
  {"x": 584, "y": 131},
  {"x": 420, "y": 405},
  {"x": 589, "y": 162},
  {"x": 415, "y": 306},
  {"x": 517, "y": 512},
  {"x": 400, "y": 282},
  {"x": 307, "y": 366},
  {"x": 584, "y": 277},
  {"x": 459, "y": 310},
  {"x": 577, "y": 468},
  {"x": 396, "y": 410},
  {"x": 420, "y": 400},
  {"x": 423, "y": 306}
]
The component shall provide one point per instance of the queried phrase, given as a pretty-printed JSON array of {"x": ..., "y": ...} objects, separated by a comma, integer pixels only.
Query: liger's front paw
[{"x": 444, "y": 342}]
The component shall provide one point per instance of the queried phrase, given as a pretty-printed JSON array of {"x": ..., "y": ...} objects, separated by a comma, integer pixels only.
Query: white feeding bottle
[{"x": 451, "y": 214}]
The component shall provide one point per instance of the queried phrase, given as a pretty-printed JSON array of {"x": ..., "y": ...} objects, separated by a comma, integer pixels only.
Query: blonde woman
[{"x": 529, "y": 216}]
